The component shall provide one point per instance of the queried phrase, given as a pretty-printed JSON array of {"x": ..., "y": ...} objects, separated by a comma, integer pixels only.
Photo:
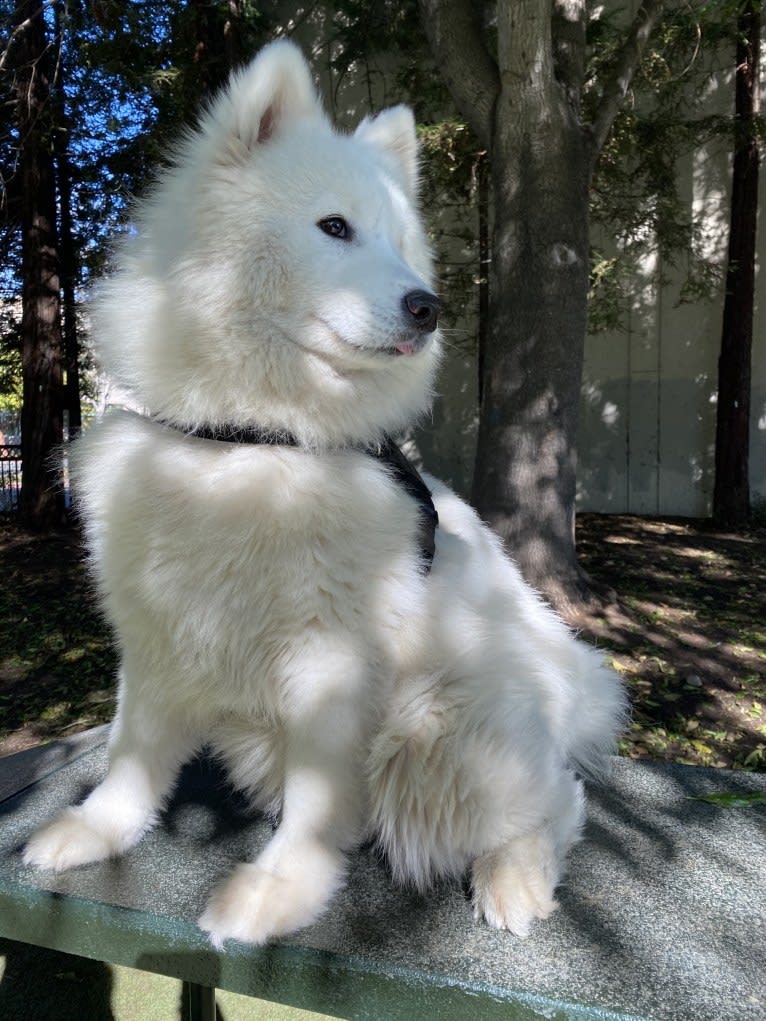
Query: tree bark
[
  {"x": 483, "y": 209},
  {"x": 525, "y": 475},
  {"x": 471, "y": 75},
  {"x": 69, "y": 264},
  {"x": 41, "y": 498},
  {"x": 69, "y": 256},
  {"x": 731, "y": 494},
  {"x": 525, "y": 110}
]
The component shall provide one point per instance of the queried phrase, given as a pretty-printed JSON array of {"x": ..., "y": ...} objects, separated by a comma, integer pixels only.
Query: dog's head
[{"x": 279, "y": 273}]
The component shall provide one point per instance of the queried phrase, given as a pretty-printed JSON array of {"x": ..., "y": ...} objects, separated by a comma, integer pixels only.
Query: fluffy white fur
[{"x": 268, "y": 599}]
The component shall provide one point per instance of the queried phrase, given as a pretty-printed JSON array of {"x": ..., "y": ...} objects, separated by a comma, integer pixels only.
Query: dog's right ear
[{"x": 276, "y": 87}]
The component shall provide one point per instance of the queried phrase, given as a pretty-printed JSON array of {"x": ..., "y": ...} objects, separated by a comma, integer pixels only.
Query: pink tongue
[{"x": 405, "y": 349}]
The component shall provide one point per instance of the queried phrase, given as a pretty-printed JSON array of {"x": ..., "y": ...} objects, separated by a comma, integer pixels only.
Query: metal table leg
[{"x": 200, "y": 1001}]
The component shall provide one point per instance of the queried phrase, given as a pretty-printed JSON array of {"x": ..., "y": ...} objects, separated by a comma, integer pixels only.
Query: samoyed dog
[{"x": 349, "y": 640}]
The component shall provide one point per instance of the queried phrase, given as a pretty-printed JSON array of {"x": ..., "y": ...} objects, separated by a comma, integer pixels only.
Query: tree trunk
[
  {"x": 731, "y": 494},
  {"x": 524, "y": 481},
  {"x": 482, "y": 201},
  {"x": 69, "y": 263},
  {"x": 525, "y": 111},
  {"x": 69, "y": 260},
  {"x": 41, "y": 499}
]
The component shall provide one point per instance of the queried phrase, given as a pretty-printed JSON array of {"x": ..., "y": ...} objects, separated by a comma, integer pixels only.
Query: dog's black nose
[{"x": 424, "y": 308}]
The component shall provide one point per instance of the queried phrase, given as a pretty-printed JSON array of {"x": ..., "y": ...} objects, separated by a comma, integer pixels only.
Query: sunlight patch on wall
[
  {"x": 710, "y": 203},
  {"x": 610, "y": 414}
]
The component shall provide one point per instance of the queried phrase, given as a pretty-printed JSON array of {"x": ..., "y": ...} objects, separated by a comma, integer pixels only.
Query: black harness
[{"x": 399, "y": 467}]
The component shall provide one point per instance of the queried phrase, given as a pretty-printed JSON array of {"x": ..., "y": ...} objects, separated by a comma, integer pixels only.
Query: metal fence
[{"x": 10, "y": 477}]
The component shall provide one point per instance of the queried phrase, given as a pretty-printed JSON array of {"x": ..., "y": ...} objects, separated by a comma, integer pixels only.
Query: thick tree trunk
[
  {"x": 41, "y": 499},
  {"x": 525, "y": 111},
  {"x": 524, "y": 481},
  {"x": 69, "y": 256},
  {"x": 69, "y": 262},
  {"x": 485, "y": 258},
  {"x": 731, "y": 495}
]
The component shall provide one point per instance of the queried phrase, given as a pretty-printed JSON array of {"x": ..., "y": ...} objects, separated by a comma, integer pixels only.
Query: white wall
[{"x": 649, "y": 394}]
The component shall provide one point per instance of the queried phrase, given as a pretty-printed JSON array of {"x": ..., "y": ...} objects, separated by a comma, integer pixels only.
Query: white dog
[{"x": 274, "y": 598}]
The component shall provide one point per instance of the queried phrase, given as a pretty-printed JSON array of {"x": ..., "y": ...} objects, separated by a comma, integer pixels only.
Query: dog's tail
[{"x": 599, "y": 713}]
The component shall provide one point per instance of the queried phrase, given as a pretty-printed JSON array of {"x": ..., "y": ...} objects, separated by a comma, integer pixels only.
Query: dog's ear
[
  {"x": 394, "y": 131},
  {"x": 275, "y": 88}
]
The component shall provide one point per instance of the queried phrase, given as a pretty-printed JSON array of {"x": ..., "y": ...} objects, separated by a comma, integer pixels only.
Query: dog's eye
[{"x": 336, "y": 227}]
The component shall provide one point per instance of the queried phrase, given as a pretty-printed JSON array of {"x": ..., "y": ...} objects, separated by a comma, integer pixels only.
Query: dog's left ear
[{"x": 394, "y": 131}]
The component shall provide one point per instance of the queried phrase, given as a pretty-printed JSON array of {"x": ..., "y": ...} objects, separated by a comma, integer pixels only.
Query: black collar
[
  {"x": 387, "y": 452},
  {"x": 236, "y": 434}
]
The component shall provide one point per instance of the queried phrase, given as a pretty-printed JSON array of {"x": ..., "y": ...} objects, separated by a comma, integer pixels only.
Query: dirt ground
[{"x": 687, "y": 632}]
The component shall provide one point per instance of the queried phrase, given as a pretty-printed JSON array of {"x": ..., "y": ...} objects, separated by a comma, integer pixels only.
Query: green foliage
[
  {"x": 366, "y": 28},
  {"x": 450, "y": 160},
  {"x": 635, "y": 197},
  {"x": 10, "y": 358},
  {"x": 10, "y": 382}
]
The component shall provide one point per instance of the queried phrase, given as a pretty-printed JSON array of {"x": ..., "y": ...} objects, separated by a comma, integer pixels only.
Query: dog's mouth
[
  {"x": 407, "y": 347},
  {"x": 404, "y": 344}
]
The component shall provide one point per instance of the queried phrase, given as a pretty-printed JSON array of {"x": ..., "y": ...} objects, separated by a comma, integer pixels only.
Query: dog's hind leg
[
  {"x": 145, "y": 752},
  {"x": 515, "y": 883}
]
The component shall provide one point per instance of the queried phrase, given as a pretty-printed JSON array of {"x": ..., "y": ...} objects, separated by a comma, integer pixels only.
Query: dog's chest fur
[{"x": 226, "y": 562}]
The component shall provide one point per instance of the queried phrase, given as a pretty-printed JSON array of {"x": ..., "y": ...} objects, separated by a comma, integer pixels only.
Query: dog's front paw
[
  {"x": 514, "y": 885},
  {"x": 68, "y": 841},
  {"x": 257, "y": 903}
]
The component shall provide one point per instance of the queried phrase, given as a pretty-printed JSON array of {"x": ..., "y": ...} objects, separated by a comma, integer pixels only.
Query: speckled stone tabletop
[{"x": 663, "y": 911}]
